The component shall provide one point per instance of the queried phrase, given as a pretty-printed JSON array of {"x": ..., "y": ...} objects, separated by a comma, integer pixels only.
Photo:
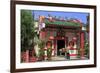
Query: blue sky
[{"x": 78, "y": 15}]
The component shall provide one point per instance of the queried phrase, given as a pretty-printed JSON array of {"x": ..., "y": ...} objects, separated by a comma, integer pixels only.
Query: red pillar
[
  {"x": 82, "y": 45},
  {"x": 42, "y": 34}
]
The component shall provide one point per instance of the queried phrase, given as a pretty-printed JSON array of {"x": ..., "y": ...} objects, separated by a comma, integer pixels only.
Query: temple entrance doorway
[{"x": 60, "y": 45}]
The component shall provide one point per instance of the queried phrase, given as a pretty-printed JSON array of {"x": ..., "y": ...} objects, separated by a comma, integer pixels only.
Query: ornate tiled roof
[{"x": 64, "y": 23}]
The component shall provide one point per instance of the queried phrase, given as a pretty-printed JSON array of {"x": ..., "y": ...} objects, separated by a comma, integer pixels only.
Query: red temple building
[{"x": 60, "y": 32}]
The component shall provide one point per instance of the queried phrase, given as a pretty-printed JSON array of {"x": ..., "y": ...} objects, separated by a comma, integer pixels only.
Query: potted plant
[
  {"x": 41, "y": 45},
  {"x": 41, "y": 55}
]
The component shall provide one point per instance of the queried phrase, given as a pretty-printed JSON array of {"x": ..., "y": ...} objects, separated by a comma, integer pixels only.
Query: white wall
[{"x": 5, "y": 36}]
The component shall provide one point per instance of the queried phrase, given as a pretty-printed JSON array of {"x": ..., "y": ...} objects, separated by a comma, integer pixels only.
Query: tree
[{"x": 27, "y": 29}]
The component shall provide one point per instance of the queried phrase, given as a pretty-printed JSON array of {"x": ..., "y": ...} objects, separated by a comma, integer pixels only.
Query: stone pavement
[
  {"x": 63, "y": 58},
  {"x": 58, "y": 58}
]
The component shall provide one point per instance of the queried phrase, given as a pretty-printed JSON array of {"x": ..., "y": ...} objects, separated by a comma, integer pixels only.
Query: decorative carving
[{"x": 60, "y": 32}]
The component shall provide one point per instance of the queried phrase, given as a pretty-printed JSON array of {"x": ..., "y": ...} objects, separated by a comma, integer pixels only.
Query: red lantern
[
  {"x": 51, "y": 37},
  {"x": 74, "y": 39}
]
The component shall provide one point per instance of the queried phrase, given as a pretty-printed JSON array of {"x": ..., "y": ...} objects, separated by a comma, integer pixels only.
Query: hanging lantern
[
  {"x": 74, "y": 38},
  {"x": 51, "y": 37},
  {"x": 62, "y": 37}
]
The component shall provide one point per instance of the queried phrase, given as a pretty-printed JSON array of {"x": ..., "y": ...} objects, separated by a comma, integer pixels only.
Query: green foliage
[
  {"x": 27, "y": 29},
  {"x": 49, "y": 52},
  {"x": 41, "y": 44},
  {"x": 86, "y": 49},
  {"x": 41, "y": 52}
]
